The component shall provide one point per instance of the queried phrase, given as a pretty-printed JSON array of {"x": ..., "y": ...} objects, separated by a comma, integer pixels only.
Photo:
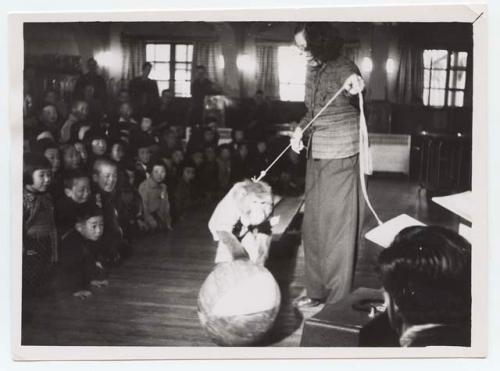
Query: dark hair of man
[{"x": 427, "y": 273}]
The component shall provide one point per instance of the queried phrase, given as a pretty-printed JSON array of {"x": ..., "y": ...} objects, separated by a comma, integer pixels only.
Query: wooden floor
[{"x": 151, "y": 299}]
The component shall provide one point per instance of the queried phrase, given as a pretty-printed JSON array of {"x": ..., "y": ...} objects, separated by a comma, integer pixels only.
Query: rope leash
[
  {"x": 264, "y": 172},
  {"x": 365, "y": 160}
]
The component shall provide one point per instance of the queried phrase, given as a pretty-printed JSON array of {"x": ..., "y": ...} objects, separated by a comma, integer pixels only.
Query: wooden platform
[{"x": 151, "y": 299}]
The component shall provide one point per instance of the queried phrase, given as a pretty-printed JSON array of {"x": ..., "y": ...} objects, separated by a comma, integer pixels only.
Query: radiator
[{"x": 390, "y": 152}]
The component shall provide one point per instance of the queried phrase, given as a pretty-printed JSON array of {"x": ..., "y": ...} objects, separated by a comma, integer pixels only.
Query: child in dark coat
[
  {"x": 83, "y": 261},
  {"x": 40, "y": 251},
  {"x": 77, "y": 194}
]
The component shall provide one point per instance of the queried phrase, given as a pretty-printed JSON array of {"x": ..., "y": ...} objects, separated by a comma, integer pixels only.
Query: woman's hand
[
  {"x": 296, "y": 140},
  {"x": 354, "y": 84}
]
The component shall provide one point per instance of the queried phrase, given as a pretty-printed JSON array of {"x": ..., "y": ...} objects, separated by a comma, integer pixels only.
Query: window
[
  {"x": 444, "y": 77},
  {"x": 292, "y": 73},
  {"x": 171, "y": 66}
]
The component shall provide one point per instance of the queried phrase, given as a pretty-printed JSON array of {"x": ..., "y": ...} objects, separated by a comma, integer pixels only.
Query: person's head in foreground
[{"x": 426, "y": 274}]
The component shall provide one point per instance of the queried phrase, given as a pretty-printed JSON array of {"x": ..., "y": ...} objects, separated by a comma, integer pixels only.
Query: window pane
[
  {"x": 457, "y": 79},
  {"x": 182, "y": 89},
  {"x": 150, "y": 52},
  {"x": 438, "y": 79},
  {"x": 436, "y": 97},
  {"x": 456, "y": 98},
  {"x": 459, "y": 59},
  {"x": 292, "y": 73},
  {"x": 434, "y": 58},
  {"x": 163, "y": 52},
  {"x": 160, "y": 71},
  {"x": 427, "y": 58},
  {"x": 292, "y": 92},
  {"x": 425, "y": 97},
  {"x": 162, "y": 85},
  {"x": 182, "y": 75},
  {"x": 183, "y": 53},
  {"x": 427, "y": 74},
  {"x": 440, "y": 59}
]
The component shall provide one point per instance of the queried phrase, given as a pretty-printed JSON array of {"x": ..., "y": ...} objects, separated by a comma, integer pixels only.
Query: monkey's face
[{"x": 257, "y": 207}]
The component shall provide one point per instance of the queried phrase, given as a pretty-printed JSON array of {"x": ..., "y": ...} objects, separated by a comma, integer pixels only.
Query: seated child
[
  {"x": 104, "y": 178},
  {"x": 125, "y": 124},
  {"x": 209, "y": 174},
  {"x": 39, "y": 228},
  {"x": 197, "y": 160},
  {"x": 241, "y": 223},
  {"x": 50, "y": 150},
  {"x": 224, "y": 161},
  {"x": 242, "y": 168},
  {"x": 130, "y": 208},
  {"x": 48, "y": 125},
  {"x": 184, "y": 197},
  {"x": 71, "y": 159},
  {"x": 238, "y": 137},
  {"x": 82, "y": 151},
  {"x": 210, "y": 137},
  {"x": 155, "y": 198},
  {"x": 83, "y": 262},
  {"x": 97, "y": 145},
  {"x": 169, "y": 142},
  {"x": 76, "y": 197},
  {"x": 76, "y": 119},
  {"x": 117, "y": 151},
  {"x": 261, "y": 158},
  {"x": 142, "y": 160}
]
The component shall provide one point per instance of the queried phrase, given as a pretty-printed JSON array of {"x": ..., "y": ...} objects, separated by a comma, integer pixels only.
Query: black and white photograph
[{"x": 224, "y": 183}]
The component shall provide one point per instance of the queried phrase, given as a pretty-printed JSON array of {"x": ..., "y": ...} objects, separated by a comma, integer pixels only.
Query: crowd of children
[{"x": 99, "y": 175}]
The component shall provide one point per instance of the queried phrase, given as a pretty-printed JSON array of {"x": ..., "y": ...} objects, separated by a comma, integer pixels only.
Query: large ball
[{"x": 238, "y": 303}]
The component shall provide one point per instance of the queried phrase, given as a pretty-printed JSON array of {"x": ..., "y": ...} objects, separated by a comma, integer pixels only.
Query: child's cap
[{"x": 90, "y": 210}]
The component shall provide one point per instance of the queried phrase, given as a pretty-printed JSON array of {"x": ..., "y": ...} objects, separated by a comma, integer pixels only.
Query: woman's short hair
[
  {"x": 32, "y": 163},
  {"x": 323, "y": 40},
  {"x": 427, "y": 273}
]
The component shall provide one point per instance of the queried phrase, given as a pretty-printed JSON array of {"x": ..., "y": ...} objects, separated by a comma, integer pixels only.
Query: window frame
[
  {"x": 447, "y": 89},
  {"x": 173, "y": 63}
]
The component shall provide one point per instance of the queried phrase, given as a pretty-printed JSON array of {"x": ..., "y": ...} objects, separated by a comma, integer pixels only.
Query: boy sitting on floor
[
  {"x": 105, "y": 178},
  {"x": 76, "y": 196},
  {"x": 155, "y": 198},
  {"x": 82, "y": 262}
]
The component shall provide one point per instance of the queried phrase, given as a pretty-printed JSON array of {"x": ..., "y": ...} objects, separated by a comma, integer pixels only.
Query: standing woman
[{"x": 334, "y": 206}]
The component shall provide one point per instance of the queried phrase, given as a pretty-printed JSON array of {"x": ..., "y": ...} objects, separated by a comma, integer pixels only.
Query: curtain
[
  {"x": 206, "y": 54},
  {"x": 134, "y": 56},
  {"x": 410, "y": 78},
  {"x": 267, "y": 71}
]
